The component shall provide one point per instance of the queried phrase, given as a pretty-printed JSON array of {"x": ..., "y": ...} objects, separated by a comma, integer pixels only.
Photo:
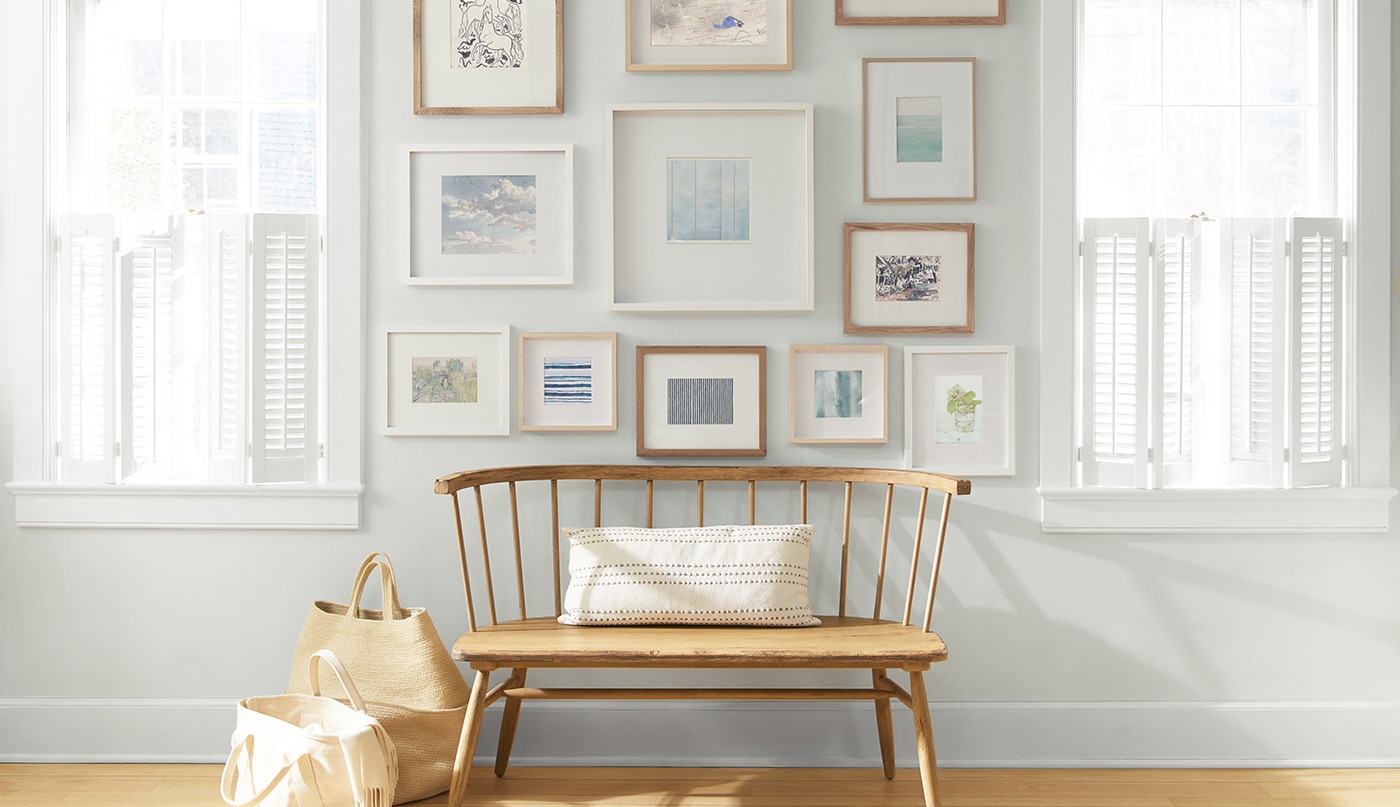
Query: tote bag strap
[
  {"x": 388, "y": 586},
  {"x": 330, "y": 658},
  {"x": 245, "y": 748}
]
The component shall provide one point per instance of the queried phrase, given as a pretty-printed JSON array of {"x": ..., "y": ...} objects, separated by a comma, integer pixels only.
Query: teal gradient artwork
[{"x": 919, "y": 129}]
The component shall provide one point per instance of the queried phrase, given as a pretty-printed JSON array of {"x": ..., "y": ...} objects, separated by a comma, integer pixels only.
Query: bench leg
[
  {"x": 923, "y": 732},
  {"x": 510, "y": 718},
  {"x": 466, "y": 748},
  {"x": 884, "y": 724}
]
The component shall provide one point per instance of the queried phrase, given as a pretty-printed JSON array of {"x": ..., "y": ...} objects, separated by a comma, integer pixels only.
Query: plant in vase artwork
[{"x": 961, "y": 420}]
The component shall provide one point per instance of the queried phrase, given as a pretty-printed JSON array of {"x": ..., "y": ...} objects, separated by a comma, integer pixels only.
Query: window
[
  {"x": 186, "y": 341},
  {"x": 1214, "y": 326}
]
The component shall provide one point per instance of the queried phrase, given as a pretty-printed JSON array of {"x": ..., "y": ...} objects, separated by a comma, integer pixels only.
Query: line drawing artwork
[
  {"x": 908, "y": 277},
  {"x": 486, "y": 214},
  {"x": 707, "y": 200},
  {"x": 568, "y": 380},
  {"x": 444, "y": 379},
  {"x": 488, "y": 33},
  {"x": 700, "y": 401},
  {"x": 700, "y": 23},
  {"x": 957, "y": 403},
  {"x": 838, "y": 393},
  {"x": 918, "y": 126}
]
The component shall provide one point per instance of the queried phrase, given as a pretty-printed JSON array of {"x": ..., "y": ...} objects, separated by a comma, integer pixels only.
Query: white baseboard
[{"x": 820, "y": 734}]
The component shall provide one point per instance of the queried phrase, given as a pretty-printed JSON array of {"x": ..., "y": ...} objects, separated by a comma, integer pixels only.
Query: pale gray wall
[{"x": 1066, "y": 649}]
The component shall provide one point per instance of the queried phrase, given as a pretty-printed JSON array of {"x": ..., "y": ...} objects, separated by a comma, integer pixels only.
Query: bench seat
[{"x": 839, "y": 642}]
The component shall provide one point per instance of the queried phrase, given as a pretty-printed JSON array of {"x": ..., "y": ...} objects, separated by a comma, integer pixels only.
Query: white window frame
[
  {"x": 1364, "y": 200},
  {"x": 26, "y": 239}
]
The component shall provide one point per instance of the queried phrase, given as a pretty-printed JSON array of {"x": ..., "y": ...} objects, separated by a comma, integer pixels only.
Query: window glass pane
[
  {"x": 132, "y": 160},
  {"x": 221, "y": 67},
  {"x": 1200, "y": 160},
  {"x": 1119, "y": 147},
  {"x": 1274, "y": 165},
  {"x": 221, "y": 131},
  {"x": 1275, "y": 51},
  {"x": 191, "y": 130},
  {"x": 221, "y": 189},
  {"x": 1201, "y": 48},
  {"x": 1122, "y": 52},
  {"x": 286, "y": 162}
]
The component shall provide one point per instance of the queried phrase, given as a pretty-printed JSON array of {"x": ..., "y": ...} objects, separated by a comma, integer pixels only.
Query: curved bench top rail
[{"x": 451, "y": 483}]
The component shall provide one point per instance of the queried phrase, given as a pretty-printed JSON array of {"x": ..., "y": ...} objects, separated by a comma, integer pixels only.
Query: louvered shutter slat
[
  {"x": 1315, "y": 372},
  {"x": 1176, "y": 276},
  {"x": 152, "y": 252},
  {"x": 87, "y": 290},
  {"x": 1254, "y": 258},
  {"x": 226, "y": 247}
]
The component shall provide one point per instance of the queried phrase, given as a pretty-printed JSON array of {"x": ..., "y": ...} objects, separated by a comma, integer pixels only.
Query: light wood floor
[{"x": 197, "y": 786}]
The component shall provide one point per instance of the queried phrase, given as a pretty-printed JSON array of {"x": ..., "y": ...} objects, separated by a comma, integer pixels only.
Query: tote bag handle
[
  {"x": 388, "y": 587},
  {"x": 245, "y": 748},
  {"x": 330, "y": 658}
]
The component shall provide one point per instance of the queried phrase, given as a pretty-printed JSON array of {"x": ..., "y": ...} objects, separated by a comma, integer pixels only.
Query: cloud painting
[{"x": 488, "y": 214}]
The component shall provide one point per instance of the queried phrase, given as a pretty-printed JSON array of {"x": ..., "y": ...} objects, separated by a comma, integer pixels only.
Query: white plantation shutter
[
  {"x": 1254, "y": 259},
  {"x": 1116, "y": 287},
  {"x": 1176, "y": 279},
  {"x": 226, "y": 249},
  {"x": 87, "y": 291},
  {"x": 152, "y": 253},
  {"x": 1315, "y": 368},
  {"x": 282, "y": 349}
]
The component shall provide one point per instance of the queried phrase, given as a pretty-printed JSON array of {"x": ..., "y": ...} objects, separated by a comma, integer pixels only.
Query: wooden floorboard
[{"x": 110, "y": 785}]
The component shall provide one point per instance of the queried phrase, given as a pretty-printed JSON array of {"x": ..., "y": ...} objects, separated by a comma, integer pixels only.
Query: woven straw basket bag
[{"x": 409, "y": 682}]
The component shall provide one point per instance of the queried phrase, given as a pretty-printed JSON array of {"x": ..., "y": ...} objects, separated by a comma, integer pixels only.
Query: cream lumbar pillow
[{"x": 722, "y": 575}]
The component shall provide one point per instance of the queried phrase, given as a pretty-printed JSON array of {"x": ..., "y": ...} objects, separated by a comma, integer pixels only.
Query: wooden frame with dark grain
[{"x": 758, "y": 448}]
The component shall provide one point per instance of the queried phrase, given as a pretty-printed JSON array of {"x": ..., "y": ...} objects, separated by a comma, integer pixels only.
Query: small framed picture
[
  {"x": 920, "y": 12},
  {"x": 959, "y": 409},
  {"x": 702, "y": 401},
  {"x": 838, "y": 394},
  {"x": 920, "y": 130},
  {"x": 488, "y": 57},
  {"x": 447, "y": 380},
  {"x": 491, "y": 215},
  {"x": 568, "y": 382},
  {"x": 909, "y": 278},
  {"x": 712, "y": 207},
  {"x": 705, "y": 35}
]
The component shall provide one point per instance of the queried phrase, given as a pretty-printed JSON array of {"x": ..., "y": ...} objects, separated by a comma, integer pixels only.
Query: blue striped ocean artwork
[
  {"x": 568, "y": 380},
  {"x": 919, "y": 129},
  {"x": 700, "y": 401}
]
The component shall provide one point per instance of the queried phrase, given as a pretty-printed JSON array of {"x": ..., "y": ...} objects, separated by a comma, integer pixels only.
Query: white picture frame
[
  {"x": 568, "y": 382},
  {"x": 425, "y": 395},
  {"x": 758, "y": 39},
  {"x": 975, "y": 439},
  {"x": 702, "y": 401},
  {"x": 838, "y": 394},
  {"x": 919, "y": 129},
  {"x": 490, "y": 215},
  {"x": 449, "y": 81},
  {"x": 753, "y": 163}
]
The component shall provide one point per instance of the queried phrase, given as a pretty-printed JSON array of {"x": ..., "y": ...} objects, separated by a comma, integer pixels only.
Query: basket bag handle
[{"x": 388, "y": 587}]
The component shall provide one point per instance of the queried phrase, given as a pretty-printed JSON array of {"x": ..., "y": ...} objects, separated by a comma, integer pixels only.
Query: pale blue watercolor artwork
[
  {"x": 838, "y": 393},
  {"x": 488, "y": 214},
  {"x": 918, "y": 129},
  {"x": 568, "y": 380},
  {"x": 700, "y": 401},
  {"x": 708, "y": 23},
  {"x": 707, "y": 200}
]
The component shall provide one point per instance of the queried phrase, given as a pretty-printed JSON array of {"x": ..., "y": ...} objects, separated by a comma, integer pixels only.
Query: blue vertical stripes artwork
[
  {"x": 700, "y": 401},
  {"x": 568, "y": 380}
]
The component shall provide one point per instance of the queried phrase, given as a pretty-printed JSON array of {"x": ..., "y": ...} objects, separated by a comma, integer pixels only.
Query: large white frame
[
  {"x": 26, "y": 239},
  {"x": 776, "y": 266},
  {"x": 1364, "y": 506}
]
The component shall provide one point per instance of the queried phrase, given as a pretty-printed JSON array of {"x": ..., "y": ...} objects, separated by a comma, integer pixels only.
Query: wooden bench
[{"x": 876, "y": 510}]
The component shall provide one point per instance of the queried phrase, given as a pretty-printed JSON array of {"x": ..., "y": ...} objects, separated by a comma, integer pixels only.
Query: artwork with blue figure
[
  {"x": 568, "y": 380},
  {"x": 700, "y": 401},
  {"x": 907, "y": 278},
  {"x": 700, "y": 23},
  {"x": 488, "y": 214},
  {"x": 918, "y": 129},
  {"x": 488, "y": 33},
  {"x": 707, "y": 200},
  {"x": 838, "y": 393},
  {"x": 444, "y": 379}
]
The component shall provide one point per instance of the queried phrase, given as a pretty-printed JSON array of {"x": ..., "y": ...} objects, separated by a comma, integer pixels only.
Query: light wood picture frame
[
  {"x": 919, "y": 129},
  {"x": 960, "y": 409},
  {"x": 749, "y": 168},
  {"x": 704, "y": 36},
  {"x": 702, "y": 401},
  {"x": 447, "y": 380},
  {"x": 838, "y": 394},
  {"x": 486, "y": 57},
  {"x": 490, "y": 215},
  {"x": 568, "y": 382},
  {"x": 920, "y": 12},
  {"x": 903, "y": 278}
]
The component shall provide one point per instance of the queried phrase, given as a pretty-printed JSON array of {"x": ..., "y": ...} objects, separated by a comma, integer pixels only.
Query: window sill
[
  {"x": 231, "y": 507},
  {"x": 1235, "y": 510}
]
